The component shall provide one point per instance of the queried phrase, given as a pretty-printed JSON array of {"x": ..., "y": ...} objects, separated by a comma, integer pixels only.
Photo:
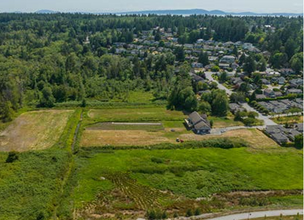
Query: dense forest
[{"x": 47, "y": 59}]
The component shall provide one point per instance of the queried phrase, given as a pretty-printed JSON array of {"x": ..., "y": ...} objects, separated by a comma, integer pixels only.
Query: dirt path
[{"x": 76, "y": 132}]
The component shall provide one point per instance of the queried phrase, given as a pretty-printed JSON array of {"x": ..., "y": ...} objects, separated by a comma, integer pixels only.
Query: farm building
[{"x": 199, "y": 124}]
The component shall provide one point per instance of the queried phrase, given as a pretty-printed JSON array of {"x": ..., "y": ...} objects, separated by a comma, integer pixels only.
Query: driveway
[{"x": 219, "y": 131}]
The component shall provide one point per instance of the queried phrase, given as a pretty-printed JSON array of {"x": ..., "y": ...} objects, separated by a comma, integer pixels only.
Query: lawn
[
  {"x": 222, "y": 122},
  {"x": 289, "y": 119},
  {"x": 135, "y": 114},
  {"x": 34, "y": 130},
  {"x": 172, "y": 179},
  {"x": 127, "y": 126}
]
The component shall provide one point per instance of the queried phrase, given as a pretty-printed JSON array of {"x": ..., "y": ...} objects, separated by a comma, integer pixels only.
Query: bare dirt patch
[{"x": 34, "y": 130}]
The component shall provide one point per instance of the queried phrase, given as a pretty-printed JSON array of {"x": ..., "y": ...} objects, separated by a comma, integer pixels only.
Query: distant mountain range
[
  {"x": 212, "y": 12},
  {"x": 183, "y": 12},
  {"x": 46, "y": 12}
]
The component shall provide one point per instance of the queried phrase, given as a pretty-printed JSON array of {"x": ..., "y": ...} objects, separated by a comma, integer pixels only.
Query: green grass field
[
  {"x": 290, "y": 119},
  {"x": 127, "y": 126},
  {"x": 135, "y": 114},
  {"x": 99, "y": 183},
  {"x": 181, "y": 175},
  {"x": 30, "y": 187}
]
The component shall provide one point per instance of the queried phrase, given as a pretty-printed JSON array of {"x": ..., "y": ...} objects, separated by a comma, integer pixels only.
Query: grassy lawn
[
  {"x": 140, "y": 97},
  {"x": 222, "y": 122},
  {"x": 289, "y": 119},
  {"x": 171, "y": 178},
  {"x": 127, "y": 126},
  {"x": 34, "y": 130},
  {"x": 135, "y": 114}
]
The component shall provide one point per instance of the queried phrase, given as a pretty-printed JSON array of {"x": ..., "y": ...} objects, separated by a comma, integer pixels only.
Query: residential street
[
  {"x": 252, "y": 215},
  {"x": 246, "y": 215},
  {"x": 266, "y": 119},
  {"x": 220, "y": 86}
]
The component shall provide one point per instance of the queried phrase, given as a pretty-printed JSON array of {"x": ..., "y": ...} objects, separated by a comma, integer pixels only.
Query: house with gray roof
[{"x": 198, "y": 123}]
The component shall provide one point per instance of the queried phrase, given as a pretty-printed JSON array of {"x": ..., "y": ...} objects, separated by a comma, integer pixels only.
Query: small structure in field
[{"x": 199, "y": 124}]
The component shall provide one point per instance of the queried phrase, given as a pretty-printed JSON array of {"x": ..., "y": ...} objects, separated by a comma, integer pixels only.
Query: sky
[{"x": 262, "y": 6}]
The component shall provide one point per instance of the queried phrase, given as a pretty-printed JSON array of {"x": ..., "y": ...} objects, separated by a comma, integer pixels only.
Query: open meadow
[
  {"x": 131, "y": 181},
  {"x": 34, "y": 130}
]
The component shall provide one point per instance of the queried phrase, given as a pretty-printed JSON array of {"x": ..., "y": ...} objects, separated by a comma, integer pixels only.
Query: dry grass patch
[
  {"x": 256, "y": 138},
  {"x": 122, "y": 138},
  {"x": 34, "y": 130}
]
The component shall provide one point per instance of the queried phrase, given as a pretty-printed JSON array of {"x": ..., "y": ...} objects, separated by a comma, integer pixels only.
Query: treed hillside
[{"x": 48, "y": 59}]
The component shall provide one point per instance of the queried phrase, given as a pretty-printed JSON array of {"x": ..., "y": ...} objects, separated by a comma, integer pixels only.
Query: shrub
[
  {"x": 157, "y": 160},
  {"x": 12, "y": 156},
  {"x": 189, "y": 213},
  {"x": 197, "y": 211}
]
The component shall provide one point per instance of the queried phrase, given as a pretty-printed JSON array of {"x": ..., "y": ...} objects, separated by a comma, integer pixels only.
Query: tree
[
  {"x": 203, "y": 58},
  {"x": 220, "y": 105},
  {"x": 182, "y": 99},
  {"x": 299, "y": 141},
  {"x": 204, "y": 107},
  {"x": 262, "y": 64},
  {"x": 179, "y": 53},
  {"x": 296, "y": 62},
  {"x": 215, "y": 68},
  {"x": 6, "y": 111},
  {"x": 278, "y": 60},
  {"x": 290, "y": 47},
  {"x": 223, "y": 77},
  {"x": 235, "y": 51},
  {"x": 237, "y": 97},
  {"x": 249, "y": 65},
  {"x": 157, "y": 36},
  {"x": 47, "y": 99},
  {"x": 242, "y": 59}
]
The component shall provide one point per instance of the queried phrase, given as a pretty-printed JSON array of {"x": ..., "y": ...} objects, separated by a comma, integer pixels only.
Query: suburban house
[
  {"x": 199, "y": 124},
  {"x": 277, "y": 133},
  {"x": 294, "y": 91},
  {"x": 269, "y": 93},
  {"x": 281, "y": 80},
  {"x": 234, "y": 108},
  {"x": 282, "y": 135},
  {"x": 227, "y": 59}
]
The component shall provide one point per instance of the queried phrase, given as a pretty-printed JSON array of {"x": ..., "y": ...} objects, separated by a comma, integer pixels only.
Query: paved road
[
  {"x": 262, "y": 214},
  {"x": 220, "y": 86},
  {"x": 266, "y": 119}
]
